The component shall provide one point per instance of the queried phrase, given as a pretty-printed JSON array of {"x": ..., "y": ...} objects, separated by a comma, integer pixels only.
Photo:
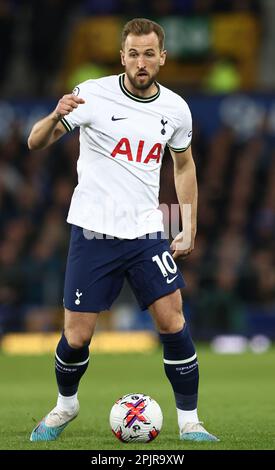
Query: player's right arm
[{"x": 48, "y": 130}]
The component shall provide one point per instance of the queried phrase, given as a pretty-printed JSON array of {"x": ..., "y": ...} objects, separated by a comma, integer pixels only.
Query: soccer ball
[{"x": 136, "y": 418}]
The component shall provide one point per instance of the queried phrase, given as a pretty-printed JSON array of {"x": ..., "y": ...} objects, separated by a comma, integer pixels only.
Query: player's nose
[{"x": 141, "y": 63}]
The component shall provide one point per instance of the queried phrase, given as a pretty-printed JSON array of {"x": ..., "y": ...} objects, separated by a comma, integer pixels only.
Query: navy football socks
[
  {"x": 181, "y": 367},
  {"x": 70, "y": 365}
]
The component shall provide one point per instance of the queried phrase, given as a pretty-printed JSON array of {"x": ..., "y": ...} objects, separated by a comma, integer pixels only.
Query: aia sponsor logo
[{"x": 124, "y": 148}]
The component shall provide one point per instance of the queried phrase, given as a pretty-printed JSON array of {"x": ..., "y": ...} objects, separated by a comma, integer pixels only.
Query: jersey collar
[{"x": 135, "y": 97}]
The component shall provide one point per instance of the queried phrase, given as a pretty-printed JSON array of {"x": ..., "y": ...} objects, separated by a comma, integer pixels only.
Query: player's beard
[{"x": 144, "y": 84}]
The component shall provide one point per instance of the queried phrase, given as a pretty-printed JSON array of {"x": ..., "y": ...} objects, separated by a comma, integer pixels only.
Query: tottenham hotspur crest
[
  {"x": 163, "y": 123},
  {"x": 78, "y": 295}
]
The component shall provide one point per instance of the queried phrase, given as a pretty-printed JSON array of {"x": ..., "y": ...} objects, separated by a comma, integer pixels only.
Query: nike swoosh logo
[
  {"x": 171, "y": 280},
  {"x": 118, "y": 119}
]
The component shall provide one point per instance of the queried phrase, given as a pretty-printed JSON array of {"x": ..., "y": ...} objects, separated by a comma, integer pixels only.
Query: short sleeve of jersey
[
  {"x": 182, "y": 136},
  {"x": 81, "y": 115}
]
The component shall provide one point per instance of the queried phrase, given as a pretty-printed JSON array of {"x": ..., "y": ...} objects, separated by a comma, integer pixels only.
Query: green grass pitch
[{"x": 236, "y": 400}]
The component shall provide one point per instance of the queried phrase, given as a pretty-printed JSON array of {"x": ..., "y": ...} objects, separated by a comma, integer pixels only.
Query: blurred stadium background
[{"x": 221, "y": 60}]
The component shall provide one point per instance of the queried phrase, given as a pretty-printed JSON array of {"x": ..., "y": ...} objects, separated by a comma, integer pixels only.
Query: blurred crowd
[
  {"x": 36, "y": 33},
  {"x": 35, "y": 190},
  {"x": 230, "y": 274}
]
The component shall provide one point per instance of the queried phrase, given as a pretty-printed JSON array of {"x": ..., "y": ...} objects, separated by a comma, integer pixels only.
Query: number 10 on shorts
[{"x": 166, "y": 263}]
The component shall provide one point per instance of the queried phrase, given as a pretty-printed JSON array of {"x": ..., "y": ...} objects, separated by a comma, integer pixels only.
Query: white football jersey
[{"x": 122, "y": 141}]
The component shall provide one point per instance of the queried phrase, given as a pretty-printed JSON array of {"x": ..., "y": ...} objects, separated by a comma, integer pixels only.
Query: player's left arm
[{"x": 187, "y": 194}]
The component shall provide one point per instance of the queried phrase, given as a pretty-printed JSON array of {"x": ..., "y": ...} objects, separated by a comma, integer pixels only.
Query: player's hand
[
  {"x": 179, "y": 248},
  {"x": 66, "y": 105}
]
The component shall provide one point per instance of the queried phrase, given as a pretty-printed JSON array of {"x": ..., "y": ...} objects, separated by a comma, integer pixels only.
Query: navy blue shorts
[{"x": 96, "y": 269}]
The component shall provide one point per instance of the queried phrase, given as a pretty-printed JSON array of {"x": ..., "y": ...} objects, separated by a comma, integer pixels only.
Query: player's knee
[
  {"x": 77, "y": 339},
  {"x": 174, "y": 323}
]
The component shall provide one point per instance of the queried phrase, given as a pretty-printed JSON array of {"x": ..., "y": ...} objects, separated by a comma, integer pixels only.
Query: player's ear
[
  {"x": 163, "y": 55},
  {"x": 122, "y": 55}
]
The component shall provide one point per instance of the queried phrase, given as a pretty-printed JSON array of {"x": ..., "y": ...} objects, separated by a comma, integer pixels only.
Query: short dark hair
[{"x": 141, "y": 26}]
